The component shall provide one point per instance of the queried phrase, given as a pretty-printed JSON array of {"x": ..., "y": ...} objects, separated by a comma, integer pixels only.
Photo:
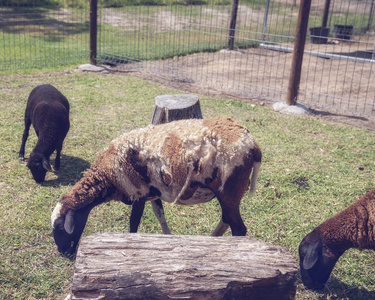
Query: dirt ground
[
  {"x": 336, "y": 89},
  {"x": 219, "y": 66},
  {"x": 260, "y": 75}
]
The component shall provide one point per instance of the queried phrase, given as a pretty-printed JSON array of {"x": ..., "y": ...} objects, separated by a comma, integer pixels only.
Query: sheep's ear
[
  {"x": 312, "y": 255},
  {"x": 46, "y": 165},
  {"x": 69, "y": 222}
]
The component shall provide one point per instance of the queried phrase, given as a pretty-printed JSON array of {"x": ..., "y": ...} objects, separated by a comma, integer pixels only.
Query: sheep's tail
[
  {"x": 254, "y": 177},
  {"x": 257, "y": 156}
]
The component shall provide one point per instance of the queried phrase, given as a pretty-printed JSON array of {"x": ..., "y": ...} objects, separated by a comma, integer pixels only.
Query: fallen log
[{"x": 145, "y": 266}]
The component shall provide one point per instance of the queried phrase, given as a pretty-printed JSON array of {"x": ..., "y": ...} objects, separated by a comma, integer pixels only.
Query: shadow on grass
[
  {"x": 326, "y": 113},
  {"x": 46, "y": 23},
  {"x": 70, "y": 171},
  {"x": 347, "y": 119},
  {"x": 337, "y": 289}
]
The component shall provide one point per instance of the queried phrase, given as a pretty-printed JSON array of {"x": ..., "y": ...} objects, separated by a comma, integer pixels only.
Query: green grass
[
  {"x": 40, "y": 37},
  {"x": 311, "y": 170}
]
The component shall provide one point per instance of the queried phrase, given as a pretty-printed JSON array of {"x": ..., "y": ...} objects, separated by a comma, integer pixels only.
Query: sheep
[
  {"x": 184, "y": 162},
  {"x": 48, "y": 110},
  {"x": 320, "y": 249}
]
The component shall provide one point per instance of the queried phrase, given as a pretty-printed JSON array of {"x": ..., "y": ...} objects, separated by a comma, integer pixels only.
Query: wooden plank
[{"x": 145, "y": 266}]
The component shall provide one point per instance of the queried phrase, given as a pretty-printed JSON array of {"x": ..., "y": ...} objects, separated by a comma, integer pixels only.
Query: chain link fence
[{"x": 188, "y": 41}]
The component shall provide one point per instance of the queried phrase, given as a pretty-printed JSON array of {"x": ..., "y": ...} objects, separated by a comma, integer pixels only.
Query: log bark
[
  {"x": 176, "y": 107},
  {"x": 145, "y": 266}
]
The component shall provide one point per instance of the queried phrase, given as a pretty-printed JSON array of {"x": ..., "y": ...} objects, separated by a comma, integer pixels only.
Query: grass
[{"x": 311, "y": 170}]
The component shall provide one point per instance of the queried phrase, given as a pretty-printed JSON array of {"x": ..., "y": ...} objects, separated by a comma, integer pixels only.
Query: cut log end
[{"x": 176, "y": 107}]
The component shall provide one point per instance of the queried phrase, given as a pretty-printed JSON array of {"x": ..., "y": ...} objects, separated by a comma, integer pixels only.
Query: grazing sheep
[
  {"x": 48, "y": 110},
  {"x": 184, "y": 162},
  {"x": 320, "y": 249}
]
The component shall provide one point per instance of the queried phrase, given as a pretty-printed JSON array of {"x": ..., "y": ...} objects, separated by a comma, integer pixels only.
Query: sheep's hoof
[{"x": 21, "y": 158}]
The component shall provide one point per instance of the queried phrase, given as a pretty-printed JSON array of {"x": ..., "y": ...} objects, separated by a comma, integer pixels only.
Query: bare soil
[
  {"x": 220, "y": 69},
  {"x": 327, "y": 86}
]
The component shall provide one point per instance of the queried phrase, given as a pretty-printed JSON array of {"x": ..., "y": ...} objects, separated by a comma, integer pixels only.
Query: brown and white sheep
[
  {"x": 48, "y": 111},
  {"x": 319, "y": 251},
  {"x": 184, "y": 162}
]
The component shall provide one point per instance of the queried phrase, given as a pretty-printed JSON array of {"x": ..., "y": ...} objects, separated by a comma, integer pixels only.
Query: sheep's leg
[
  {"x": 231, "y": 216},
  {"x": 25, "y": 135},
  {"x": 220, "y": 229},
  {"x": 136, "y": 214},
  {"x": 57, "y": 159},
  {"x": 157, "y": 206},
  {"x": 230, "y": 199}
]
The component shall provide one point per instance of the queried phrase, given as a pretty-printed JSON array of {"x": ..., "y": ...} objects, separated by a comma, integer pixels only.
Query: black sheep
[{"x": 48, "y": 110}]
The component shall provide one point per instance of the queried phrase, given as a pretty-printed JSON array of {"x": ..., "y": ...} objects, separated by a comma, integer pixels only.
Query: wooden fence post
[
  {"x": 93, "y": 30},
  {"x": 325, "y": 13},
  {"x": 232, "y": 25},
  {"x": 299, "y": 47}
]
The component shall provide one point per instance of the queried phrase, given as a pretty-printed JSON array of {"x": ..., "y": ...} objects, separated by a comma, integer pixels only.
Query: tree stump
[
  {"x": 145, "y": 266},
  {"x": 176, "y": 107}
]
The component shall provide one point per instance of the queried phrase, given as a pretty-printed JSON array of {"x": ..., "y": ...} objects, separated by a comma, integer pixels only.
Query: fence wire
[
  {"x": 187, "y": 42},
  {"x": 32, "y": 36}
]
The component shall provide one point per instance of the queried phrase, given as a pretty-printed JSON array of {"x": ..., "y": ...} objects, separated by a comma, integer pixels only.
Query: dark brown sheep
[
  {"x": 48, "y": 111},
  {"x": 320, "y": 249},
  {"x": 184, "y": 162}
]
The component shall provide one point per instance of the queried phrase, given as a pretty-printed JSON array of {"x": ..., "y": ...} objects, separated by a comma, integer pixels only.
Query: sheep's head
[
  {"x": 38, "y": 165},
  {"x": 68, "y": 228},
  {"x": 316, "y": 260}
]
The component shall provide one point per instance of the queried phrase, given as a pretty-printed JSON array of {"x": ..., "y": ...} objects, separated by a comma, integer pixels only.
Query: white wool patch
[{"x": 56, "y": 213}]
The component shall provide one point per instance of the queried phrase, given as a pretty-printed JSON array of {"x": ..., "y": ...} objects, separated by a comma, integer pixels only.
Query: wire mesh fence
[
  {"x": 342, "y": 66},
  {"x": 188, "y": 41},
  {"x": 42, "y": 33}
]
